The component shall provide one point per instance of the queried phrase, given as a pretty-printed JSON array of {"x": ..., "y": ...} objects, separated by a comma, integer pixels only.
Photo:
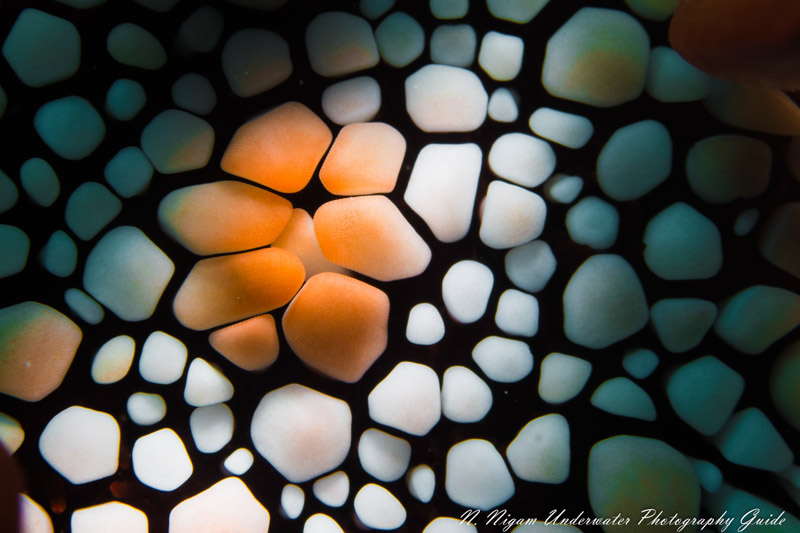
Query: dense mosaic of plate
[{"x": 735, "y": 416}]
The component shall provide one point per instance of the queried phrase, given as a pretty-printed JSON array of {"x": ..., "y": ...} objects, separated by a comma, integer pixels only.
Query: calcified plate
[{"x": 416, "y": 267}]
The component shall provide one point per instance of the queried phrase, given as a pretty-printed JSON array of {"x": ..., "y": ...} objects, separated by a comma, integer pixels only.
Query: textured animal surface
[{"x": 275, "y": 265}]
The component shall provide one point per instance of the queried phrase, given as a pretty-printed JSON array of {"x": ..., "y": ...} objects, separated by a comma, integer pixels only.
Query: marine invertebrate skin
[{"x": 280, "y": 266}]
